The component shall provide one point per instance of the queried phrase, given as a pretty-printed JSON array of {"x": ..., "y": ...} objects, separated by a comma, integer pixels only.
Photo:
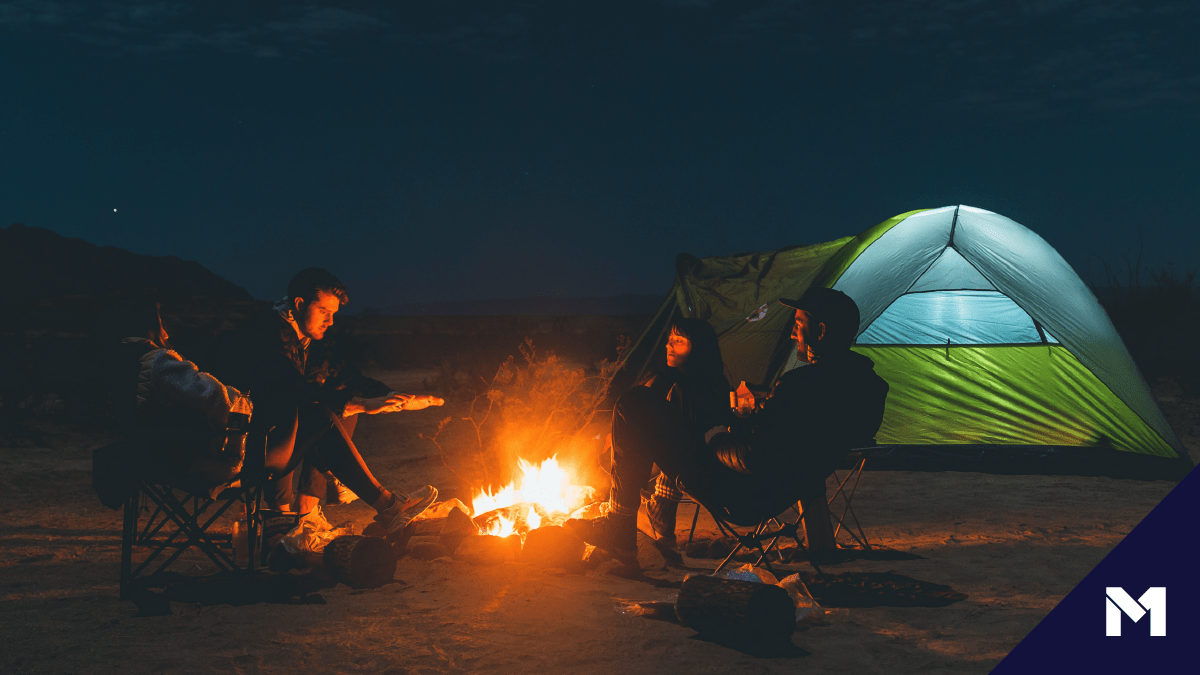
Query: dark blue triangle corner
[{"x": 1159, "y": 553}]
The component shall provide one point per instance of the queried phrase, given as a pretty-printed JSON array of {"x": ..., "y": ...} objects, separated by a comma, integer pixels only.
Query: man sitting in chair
[
  {"x": 814, "y": 416},
  {"x": 311, "y": 396}
]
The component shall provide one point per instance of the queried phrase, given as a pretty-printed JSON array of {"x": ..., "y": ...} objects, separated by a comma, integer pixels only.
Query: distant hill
[
  {"x": 36, "y": 263},
  {"x": 540, "y": 306}
]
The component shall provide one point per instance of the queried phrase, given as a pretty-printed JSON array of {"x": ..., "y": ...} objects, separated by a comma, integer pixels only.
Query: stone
[
  {"x": 486, "y": 549},
  {"x": 427, "y": 550},
  {"x": 417, "y": 541},
  {"x": 552, "y": 546},
  {"x": 458, "y": 526},
  {"x": 649, "y": 557}
]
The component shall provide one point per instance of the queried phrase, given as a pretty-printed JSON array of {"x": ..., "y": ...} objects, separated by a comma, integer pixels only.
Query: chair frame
[
  {"x": 180, "y": 520},
  {"x": 848, "y": 509},
  {"x": 755, "y": 538}
]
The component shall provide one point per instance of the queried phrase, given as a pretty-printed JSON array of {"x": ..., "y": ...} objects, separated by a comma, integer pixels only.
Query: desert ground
[{"x": 984, "y": 558}]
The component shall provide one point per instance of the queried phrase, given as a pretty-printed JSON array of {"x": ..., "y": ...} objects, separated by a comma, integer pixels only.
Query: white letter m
[{"x": 1152, "y": 602}]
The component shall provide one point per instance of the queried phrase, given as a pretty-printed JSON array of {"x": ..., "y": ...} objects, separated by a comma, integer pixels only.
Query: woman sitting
[{"x": 681, "y": 403}]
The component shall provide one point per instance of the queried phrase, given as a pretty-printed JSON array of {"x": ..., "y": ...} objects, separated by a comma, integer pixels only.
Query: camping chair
[
  {"x": 842, "y": 491},
  {"x": 728, "y": 521},
  {"x": 815, "y": 519},
  {"x": 181, "y": 519},
  {"x": 167, "y": 516}
]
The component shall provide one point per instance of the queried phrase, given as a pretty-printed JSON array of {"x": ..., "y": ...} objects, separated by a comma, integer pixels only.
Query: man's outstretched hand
[
  {"x": 393, "y": 402},
  {"x": 422, "y": 402}
]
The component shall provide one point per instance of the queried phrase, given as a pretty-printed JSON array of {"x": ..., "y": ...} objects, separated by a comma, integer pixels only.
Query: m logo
[{"x": 1152, "y": 602}]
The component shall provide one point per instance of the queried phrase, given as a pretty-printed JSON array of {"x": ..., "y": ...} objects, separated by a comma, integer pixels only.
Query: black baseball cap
[{"x": 833, "y": 308}]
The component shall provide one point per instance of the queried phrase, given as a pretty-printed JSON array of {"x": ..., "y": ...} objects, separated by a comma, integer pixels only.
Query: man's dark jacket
[
  {"x": 266, "y": 360},
  {"x": 815, "y": 415}
]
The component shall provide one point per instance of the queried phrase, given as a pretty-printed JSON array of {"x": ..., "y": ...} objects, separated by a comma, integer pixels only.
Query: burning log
[
  {"x": 736, "y": 611},
  {"x": 486, "y": 549},
  {"x": 509, "y": 519},
  {"x": 552, "y": 546},
  {"x": 360, "y": 562}
]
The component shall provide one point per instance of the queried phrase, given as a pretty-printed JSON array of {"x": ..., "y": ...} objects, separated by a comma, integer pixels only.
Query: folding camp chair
[
  {"x": 842, "y": 491},
  {"x": 754, "y": 539},
  {"x": 162, "y": 516},
  {"x": 180, "y": 519}
]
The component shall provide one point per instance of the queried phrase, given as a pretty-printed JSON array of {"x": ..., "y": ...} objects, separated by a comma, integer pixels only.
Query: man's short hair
[{"x": 308, "y": 283}]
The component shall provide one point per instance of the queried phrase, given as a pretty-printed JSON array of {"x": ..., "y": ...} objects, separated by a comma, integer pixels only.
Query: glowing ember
[{"x": 544, "y": 494}]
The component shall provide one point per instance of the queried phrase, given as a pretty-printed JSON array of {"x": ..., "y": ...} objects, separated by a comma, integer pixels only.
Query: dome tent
[{"x": 998, "y": 355}]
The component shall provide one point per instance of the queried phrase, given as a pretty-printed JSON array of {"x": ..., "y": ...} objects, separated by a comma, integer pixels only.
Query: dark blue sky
[{"x": 429, "y": 151}]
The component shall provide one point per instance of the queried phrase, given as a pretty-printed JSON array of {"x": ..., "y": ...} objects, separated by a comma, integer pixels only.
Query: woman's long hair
[{"x": 704, "y": 368}]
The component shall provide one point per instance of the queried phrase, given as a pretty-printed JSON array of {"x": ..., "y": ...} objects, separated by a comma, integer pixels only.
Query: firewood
[
  {"x": 360, "y": 562},
  {"x": 740, "y": 612},
  {"x": 515, "y": 513}
]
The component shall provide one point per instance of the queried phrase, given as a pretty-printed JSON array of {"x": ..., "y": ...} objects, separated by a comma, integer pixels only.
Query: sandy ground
[{"x": 1014, "y": 545}]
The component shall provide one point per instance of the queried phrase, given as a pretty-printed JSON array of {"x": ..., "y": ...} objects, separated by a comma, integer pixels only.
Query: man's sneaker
[
  {"x": 612, "y": 533},
  {"x": 336, "y": 493},
  {"x": 406, "y": 507},
  {"x": 661, "y": 512}
]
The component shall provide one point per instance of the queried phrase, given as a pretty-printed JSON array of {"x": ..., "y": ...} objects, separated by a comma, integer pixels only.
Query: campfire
[{"x": 543, "y": 494}]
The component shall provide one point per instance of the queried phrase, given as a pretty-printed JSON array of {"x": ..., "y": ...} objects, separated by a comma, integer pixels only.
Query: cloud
[
  {"x": 173, "y": 27},
  {"x": 28, "y": 14},
  {"x": 1027, "y": 57},
  {"x": 1031, "y": 58},
  {"x": 316, "y": 25}
]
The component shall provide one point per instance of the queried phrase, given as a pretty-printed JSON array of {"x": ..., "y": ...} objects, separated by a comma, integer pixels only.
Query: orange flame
[{"x": 548, "y": 486}]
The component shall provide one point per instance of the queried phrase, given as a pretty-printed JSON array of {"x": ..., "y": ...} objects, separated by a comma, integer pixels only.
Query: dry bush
[
  {"x": 533, "y": 408},
  {"x": 1158, "y": 319}
]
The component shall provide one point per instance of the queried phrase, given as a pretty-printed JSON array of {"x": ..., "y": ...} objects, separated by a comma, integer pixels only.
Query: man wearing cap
[{"x": 814, "y": 416}]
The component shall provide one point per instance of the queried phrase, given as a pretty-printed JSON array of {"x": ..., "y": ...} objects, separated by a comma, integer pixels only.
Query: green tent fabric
[{"x": 986, "y": 335}]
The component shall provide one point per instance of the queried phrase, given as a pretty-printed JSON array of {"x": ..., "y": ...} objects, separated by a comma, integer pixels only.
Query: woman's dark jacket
[{"x": 703, "y": 405}]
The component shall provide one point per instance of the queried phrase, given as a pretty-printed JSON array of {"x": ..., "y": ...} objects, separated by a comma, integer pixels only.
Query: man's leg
[
  {"x": 326, "y": 450},
  {"x": 279, "y": 458},
  {"x": 333, "y": 452},
  {"x": 312, "y": 486}
]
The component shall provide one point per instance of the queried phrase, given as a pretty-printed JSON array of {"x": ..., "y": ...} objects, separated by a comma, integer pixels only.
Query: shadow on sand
[
  {"x": 154, "y": 595},
  {"x": 878, "y": 589}
]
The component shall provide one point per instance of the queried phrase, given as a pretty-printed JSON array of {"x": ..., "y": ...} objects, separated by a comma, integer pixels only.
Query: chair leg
[
  {"x": 856, "y": 474},
  {"x": 253, "y": 527},
  {"x": 128, "y": 532},
  {"x": 817, "y": 529},
  {"x": 695, "y": 519}
]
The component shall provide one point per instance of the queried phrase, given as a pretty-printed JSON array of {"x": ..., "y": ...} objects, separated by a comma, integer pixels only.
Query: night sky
[{"x": 443, "y": 150}]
